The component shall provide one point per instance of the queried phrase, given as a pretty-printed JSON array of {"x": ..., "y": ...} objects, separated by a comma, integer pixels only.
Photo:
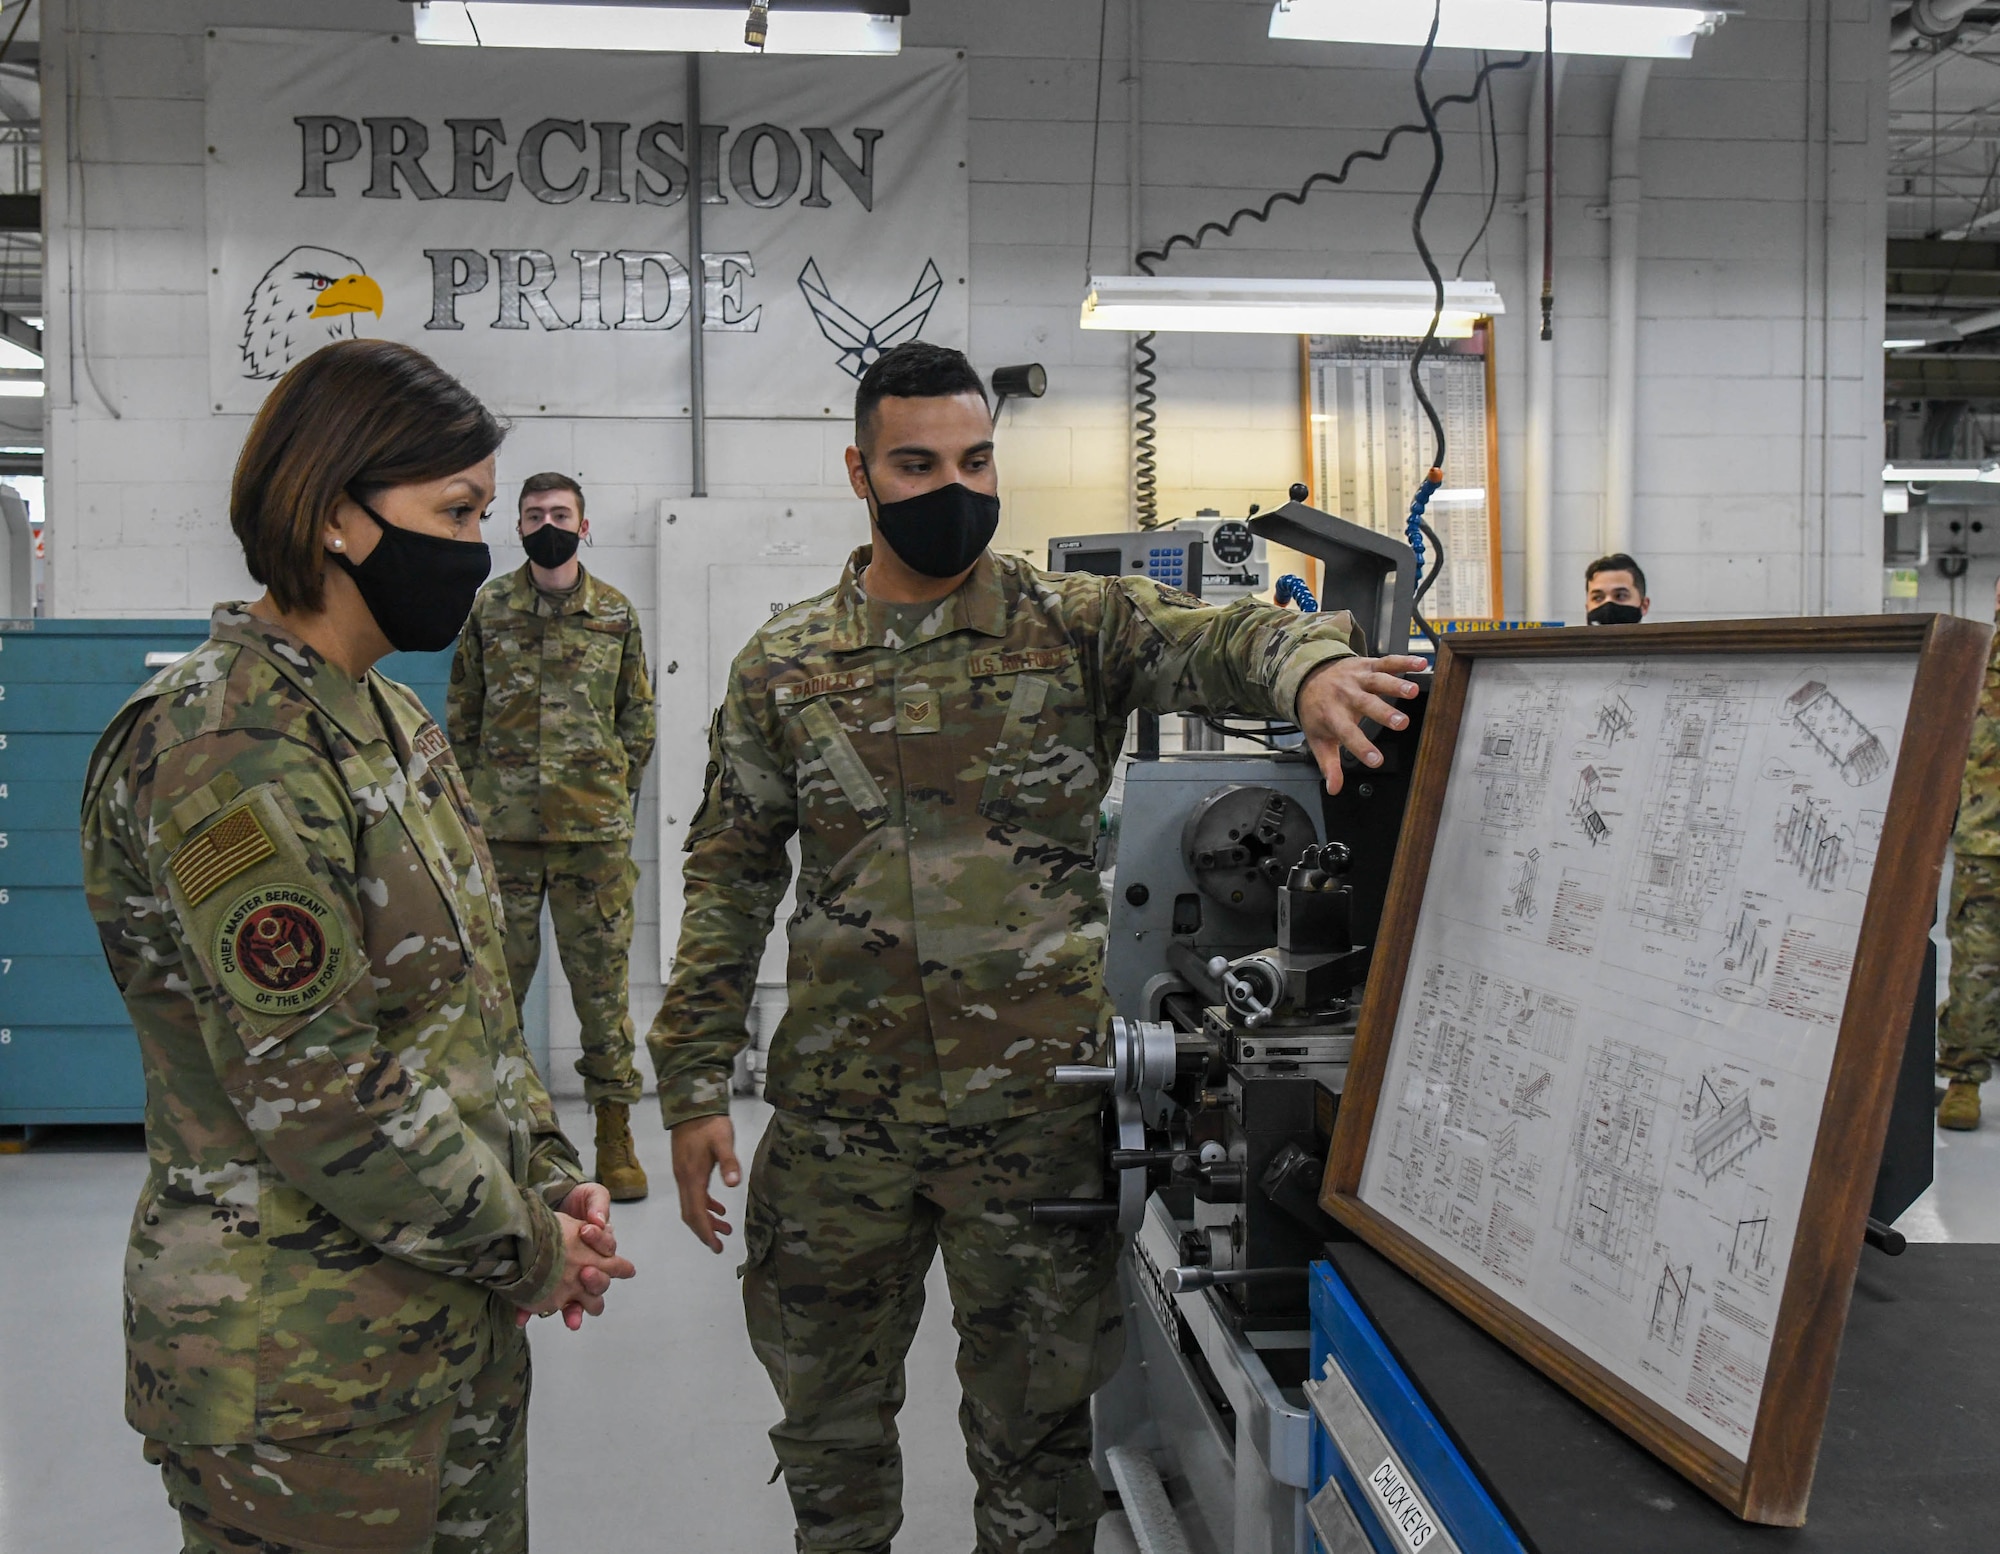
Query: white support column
[
  {"x": 1622, "y": 350},
  {"x": 1539, "y": 471}
]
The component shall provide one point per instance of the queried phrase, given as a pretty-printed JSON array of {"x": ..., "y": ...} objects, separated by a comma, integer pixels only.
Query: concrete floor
[{"x": 646, "y": 1425}]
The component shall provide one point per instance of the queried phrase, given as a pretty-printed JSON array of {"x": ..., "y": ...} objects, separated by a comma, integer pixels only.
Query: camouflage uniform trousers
[
  {"x": 589, "y": 888},
  {"x": 452, "y": 1479},
  {"x": 1969, "y": 1027},
  {"x": 843, "y": 1220}
]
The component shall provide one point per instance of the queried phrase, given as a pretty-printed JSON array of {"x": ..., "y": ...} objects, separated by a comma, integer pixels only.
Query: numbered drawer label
[
  {"x": 55, "y": 1073},
  {"x": 46, "y": 920},
  {"x": 31, "y": 803},
  {"x": 31, "y": 858},
  {"x": 42, "y": 757},
  {"x": 59, "y": 990}
]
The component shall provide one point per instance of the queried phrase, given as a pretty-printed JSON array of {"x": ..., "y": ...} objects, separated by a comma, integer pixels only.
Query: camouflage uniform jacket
[
  {"x": 352, "y": 1162},
  {"x": 551, "y": 712},
  {"x": 1978, "y": 829},
  {"x": 947, "y": 950}
]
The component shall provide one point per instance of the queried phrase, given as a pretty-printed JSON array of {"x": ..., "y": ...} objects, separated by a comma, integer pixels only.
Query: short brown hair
[
  {"x": 354, "y": 418},
  {"x": 549, "y": 480},
  {"x": 1617, "y": 561}
]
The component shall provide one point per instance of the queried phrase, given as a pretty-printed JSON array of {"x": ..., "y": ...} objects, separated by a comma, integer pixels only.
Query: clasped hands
[{"x": 590, "y": 1259}]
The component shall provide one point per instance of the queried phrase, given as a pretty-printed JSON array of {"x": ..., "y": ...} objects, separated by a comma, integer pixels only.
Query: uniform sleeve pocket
[{"x": 275, "y": 944}]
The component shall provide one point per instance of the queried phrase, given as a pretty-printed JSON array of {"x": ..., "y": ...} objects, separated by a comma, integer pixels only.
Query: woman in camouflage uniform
[{"x": 357, "y": 1190}]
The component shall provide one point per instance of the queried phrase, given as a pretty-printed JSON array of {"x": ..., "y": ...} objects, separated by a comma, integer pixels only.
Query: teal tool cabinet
[{"x": 67, "y": 1052}]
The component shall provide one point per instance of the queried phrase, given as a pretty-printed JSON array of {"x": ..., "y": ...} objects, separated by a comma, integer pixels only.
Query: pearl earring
[{"x": 340, "y": 544}]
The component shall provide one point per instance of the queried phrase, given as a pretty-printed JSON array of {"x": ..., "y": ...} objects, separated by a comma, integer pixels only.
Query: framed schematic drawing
[
  {"x": 1368, "y": 448},
  {"x": 1640, "y": 993}
]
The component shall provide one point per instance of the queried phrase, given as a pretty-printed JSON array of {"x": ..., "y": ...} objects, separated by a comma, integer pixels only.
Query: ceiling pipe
[
  {"x": 1622, "y": 348},
  {"x": 1929, "y": 19},
  {"x": 1539, "y": 462}
]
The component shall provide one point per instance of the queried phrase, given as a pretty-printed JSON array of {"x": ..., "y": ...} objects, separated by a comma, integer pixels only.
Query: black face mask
[
  {"x": 549, "y": 547},
  {"x": 419, "y": 587},
  {"x": 939, "y": 533},
  {"x": 1609, "y": 614}
]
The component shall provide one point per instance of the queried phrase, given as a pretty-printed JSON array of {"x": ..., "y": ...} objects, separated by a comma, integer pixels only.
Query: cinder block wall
[{"x": 1761, "y": 300}]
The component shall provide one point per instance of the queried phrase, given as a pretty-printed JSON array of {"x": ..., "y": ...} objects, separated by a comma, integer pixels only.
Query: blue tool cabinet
[{"x": 67, "y": 1052}]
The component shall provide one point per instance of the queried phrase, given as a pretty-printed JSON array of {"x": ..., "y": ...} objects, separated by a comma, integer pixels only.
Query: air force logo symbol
[{"x": 860, "y": 344}]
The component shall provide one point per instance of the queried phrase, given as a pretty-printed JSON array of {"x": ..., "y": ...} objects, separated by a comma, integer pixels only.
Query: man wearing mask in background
[
  {"x": 551, "y": 717},
  {"x": 938, "y": 732},
  {"x": 1614, "y": 591}
]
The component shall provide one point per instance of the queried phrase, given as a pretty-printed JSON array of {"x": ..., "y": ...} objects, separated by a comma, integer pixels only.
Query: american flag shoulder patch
[{"x": 236, "y": 842}]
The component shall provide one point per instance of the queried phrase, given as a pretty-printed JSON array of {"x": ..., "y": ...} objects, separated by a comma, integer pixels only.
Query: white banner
[{"x": 521, "y": 216}]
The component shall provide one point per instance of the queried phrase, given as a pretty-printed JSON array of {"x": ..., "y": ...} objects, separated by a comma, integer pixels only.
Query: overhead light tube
[
  {"x": 661, "y": 29},
  {"x": 1170, "y": 303},
  {"x": 1511, "y": 26}
]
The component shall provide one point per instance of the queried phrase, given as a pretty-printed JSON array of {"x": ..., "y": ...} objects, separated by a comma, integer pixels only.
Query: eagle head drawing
[{"x": 305, "y": 300}]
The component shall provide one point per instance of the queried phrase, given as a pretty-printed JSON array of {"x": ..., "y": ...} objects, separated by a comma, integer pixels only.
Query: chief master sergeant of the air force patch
[{"x": 279, "y": 949}]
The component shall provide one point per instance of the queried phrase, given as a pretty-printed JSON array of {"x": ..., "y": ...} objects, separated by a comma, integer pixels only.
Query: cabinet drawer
[
  {"x": 43, "y": 920},
  {"x": 33, "y": 858},
  {"x": 47, "y": 757},
  {"x": 38, "y": 804},
  {"x": 59, "y": 990},
  {"x": 113, "y": 656},
  {"x": 56, "y": 1073},
  {"x": 31, "y": 707}
]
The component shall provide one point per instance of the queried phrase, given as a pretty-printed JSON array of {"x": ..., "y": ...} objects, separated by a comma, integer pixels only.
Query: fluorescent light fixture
[
  {"x": 671, "y": 29},
  {"x": 1512, "y": 26},
  {"x": 1458, "y": 496},
  {"x": 21, "y": 388},
  {"x": 1952, "y": 471},
  {"x": 1172, "y": 303},
  {"x": 1903, "y": 345}
]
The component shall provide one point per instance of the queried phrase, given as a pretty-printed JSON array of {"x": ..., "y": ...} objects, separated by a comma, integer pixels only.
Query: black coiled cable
[
  {"x": 1421, "y": 531},
  {"x": 1145, "y": 396},
  {"x": 1145, "y": 431}
]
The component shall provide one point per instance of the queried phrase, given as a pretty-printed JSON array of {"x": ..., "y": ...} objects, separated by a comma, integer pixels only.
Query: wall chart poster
[
  {"x": 521, "y": 216},
  {"x": 1615, "y": 1094},
  {"x": 1369, "y": 446}
]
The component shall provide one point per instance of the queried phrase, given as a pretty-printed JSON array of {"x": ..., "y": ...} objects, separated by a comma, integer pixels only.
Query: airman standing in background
[
  {"x": 1969, "y": 1027},
  {"x": 551, "y": 718}
]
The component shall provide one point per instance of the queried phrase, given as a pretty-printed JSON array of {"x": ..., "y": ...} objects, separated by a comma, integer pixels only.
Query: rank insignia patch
[
  {"x": 917, "y": 711},
  {"x": 280, "y": 949},
  {"x": 234, "y": 843}
]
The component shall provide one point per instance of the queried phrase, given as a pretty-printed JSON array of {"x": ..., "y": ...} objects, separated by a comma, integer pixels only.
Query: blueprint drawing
[{"x": 1616, "y": 1030}]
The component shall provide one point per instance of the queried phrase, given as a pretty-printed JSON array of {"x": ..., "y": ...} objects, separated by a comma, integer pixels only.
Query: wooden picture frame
[
  {"x": 1487, "y": 336},
  {"x": 1769, "y": 1480}
]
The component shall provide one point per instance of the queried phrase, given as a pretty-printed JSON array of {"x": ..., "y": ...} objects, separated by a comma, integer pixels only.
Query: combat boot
[
  {"x": 1959, "y": 1110},
  {"x": 618, "y": 1165}
]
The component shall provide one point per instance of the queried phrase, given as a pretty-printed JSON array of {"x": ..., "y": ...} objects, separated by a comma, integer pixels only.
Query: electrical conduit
[
  {"x": 1538, "y": 506},
  {"x": 1621, "y": 396}
]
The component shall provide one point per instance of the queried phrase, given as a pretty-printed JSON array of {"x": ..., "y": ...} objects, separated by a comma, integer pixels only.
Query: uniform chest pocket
[
  {"x": 837, "y": 768},
  {"x": 595, "y": 651},
  {"x": 418, "y": 959},
  {"x": 1041, "y": 777}
]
